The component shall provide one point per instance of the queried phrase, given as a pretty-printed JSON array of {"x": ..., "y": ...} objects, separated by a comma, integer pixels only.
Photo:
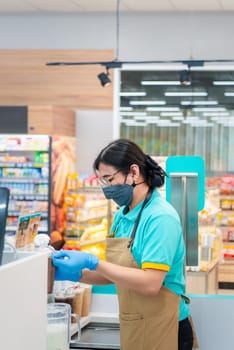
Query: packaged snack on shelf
[
  {"x": 225, "y": 204},
  {"x": 21, "y": 233},
  {"x": 227, "y": 184},
  {"x": 230, "y": 236},
  {"x": 27, "y": 229},
  {"x": 33, "y": 227},
  {"x": 86, "y": 299},
  {"x": 90, "y": 181},
  {"x": 95, "y": 232},
  {"x": 72, "y": 181},
  {"x": 228, "y": 252},
  {"x": 88, "y": 217},
  {"x": 98, "y": 249},
  {"x": 78, "y": 300},
  {"x": 71, "y": 244}
]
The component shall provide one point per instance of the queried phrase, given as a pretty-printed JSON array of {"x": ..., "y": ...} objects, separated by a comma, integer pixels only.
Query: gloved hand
[
  {"x": 62, "y": 274},
  {"x": 69, "y": 264}
]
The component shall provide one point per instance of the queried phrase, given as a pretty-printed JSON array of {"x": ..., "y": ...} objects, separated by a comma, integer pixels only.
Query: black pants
[{"x": 185, "y": 339}]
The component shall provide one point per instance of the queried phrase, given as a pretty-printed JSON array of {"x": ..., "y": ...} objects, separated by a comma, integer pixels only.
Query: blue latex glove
[
  {"x": 62, "y": 274},
  {"x": 70, "y": 263}
]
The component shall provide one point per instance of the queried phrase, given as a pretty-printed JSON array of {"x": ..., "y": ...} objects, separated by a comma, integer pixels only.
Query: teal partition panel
[
  {"x": 108, "y": 289},
  {"x": 187, "y": 164}
]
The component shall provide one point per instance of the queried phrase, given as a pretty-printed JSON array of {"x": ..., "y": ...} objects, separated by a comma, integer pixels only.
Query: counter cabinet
[{"x": 203, "y": 282}]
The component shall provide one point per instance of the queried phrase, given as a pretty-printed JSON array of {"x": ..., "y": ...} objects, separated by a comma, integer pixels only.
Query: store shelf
[
  {"x": 18, "y": 213},
  {"x": 204, "y": 281},
  {"x": 24, "y": 180},
  {"x": 25, "y": 170},
  {"x": 23, "y": 164},
  {"x": 13, "y": 228},
  {"x": 226, "y": 196},
  {"x": 84, "y": 189},
  {"x": 88, "y": 217},
  {"x": 224, "y": 221},
  {"x": 29, "y": 197}
]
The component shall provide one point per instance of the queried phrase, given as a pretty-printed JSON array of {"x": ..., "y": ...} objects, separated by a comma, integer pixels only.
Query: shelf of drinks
[
  {"x": 12, "y": 213},
  {"x": 29, "y": 197},
  {"x": 24, "y": 180},
  {"x": 23, "y": 165},
  {"x": 25, "y": 171}
]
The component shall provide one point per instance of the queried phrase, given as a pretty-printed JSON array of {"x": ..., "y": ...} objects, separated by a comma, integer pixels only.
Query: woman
[{"x": 145, "y": 253}]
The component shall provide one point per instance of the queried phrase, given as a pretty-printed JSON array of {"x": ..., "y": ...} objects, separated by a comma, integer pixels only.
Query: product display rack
[
  {"x": 25, "y": 168},
  {"x": 88, "y": 216},
  {"x": 203, "y": 279},
  {"x": 226, "y": 218},
  {"x": 224, "y": 222}
]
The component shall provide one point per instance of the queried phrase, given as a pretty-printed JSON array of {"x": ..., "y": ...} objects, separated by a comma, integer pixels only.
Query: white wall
[
  {"x": 143, "y": 36},
  {"x": 165, "y": 36},
  {"x": 94, "y": 130}
]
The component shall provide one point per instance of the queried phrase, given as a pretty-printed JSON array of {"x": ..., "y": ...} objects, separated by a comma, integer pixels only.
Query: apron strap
[
  {"x": 133, "y": 234},
  {"x": 185, "y": 298}
]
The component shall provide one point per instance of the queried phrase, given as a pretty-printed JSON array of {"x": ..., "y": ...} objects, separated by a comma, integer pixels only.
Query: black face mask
[{"x": 121, "y": 194}]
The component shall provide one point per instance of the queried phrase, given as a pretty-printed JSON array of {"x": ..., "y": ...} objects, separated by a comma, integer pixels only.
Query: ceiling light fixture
[
  {"x": 147, "y": 103},
  {"x": 104, "y": 78},
  {"x": 183, "y": 94},
  {"x": 178, "y": 118},
  {"x": 209, "y": 109},
  {"x": 116, "y": 63},
  {"x": 228, "y": 82},
  {"x": 158, "y": 82},
  {"x": 170, "y": 114},
  {"x": 185, "y": 78},
  {"x": 133, "y": 113},
  {"x": 163, "y": 109},
  {"x": 136, "y": 93},
  {"x": 151, "y": 118},
  {"x": 220, "y": 114},
  {"x": 122, "y": 108},
  {"x": 135, "y": 123},
  {"x": 202, "y": 103},
  {"x": 224, "y": 118}
]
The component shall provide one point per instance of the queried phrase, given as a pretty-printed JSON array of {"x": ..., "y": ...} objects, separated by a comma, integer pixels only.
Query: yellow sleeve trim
[{"x": 150, "y": 265}]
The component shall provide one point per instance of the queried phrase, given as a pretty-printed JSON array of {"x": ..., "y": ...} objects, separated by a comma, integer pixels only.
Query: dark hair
[{"x": 122, "y": 153}]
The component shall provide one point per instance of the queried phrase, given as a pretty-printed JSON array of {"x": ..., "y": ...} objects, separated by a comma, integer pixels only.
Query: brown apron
[{"x": 146, "y": 322}]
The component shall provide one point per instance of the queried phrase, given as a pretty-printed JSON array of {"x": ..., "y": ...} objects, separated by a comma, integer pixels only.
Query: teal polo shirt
[{"x": 158, "y": 242}]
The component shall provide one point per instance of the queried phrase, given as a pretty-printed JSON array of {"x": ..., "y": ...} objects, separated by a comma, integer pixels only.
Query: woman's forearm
[
  {"x": 146, "y": 282},
  {"x": 93, "y": 277}
]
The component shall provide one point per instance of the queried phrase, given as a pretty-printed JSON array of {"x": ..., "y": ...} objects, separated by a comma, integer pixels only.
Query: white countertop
[{"x": 95, "y": 317}]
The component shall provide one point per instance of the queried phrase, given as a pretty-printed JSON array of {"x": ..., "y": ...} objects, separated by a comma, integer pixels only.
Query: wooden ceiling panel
[{"x": 26, "y": 80}]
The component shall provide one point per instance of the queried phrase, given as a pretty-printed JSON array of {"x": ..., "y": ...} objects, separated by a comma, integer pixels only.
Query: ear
[{"x": 135, "y": 171}]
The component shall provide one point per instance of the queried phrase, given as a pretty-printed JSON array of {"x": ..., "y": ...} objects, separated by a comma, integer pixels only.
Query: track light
[
  {"x": 104, "y": 78},
  {"x": 185, "y": 78}
]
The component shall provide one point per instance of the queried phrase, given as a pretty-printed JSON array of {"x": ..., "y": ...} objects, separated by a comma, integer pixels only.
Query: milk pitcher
[{"x": 59, "y": 326}]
